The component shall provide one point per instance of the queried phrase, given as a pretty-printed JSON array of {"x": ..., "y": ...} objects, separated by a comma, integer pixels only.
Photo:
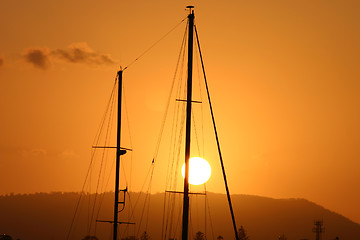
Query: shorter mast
[
  {"x": 118, "y": 153},
  {"x": 185, "y": 222}
]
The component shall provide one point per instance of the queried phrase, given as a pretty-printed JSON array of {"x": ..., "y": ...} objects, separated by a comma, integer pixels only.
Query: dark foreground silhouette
[{"x": 44, "y": 216}]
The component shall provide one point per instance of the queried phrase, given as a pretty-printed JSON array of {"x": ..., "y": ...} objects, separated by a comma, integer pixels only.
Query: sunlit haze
[{"x": 283, "y": 76}]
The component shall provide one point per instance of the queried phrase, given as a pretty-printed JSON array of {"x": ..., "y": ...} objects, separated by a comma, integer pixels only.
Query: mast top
[{"x": 190, "y": 8}]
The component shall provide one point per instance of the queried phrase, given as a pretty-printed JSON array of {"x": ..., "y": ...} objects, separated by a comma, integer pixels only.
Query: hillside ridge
[{"x": 43, "y": 216}]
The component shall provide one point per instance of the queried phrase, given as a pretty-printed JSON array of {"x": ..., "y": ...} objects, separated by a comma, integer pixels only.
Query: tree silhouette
[
  {"x": 242, "y": 234},
  {"x": 145, "y": 236},
  {"x": 5, "y": 237},
  {"x": 88, "y": 237},
  {"x": 199, "y": 236},
  {"x": 130, "y": 238}
]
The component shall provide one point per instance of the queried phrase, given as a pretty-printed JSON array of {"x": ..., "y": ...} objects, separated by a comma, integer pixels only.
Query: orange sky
[{"x": 284, "y": 77}]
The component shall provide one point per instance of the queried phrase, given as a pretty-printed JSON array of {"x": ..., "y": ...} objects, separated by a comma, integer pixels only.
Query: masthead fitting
[{"x": 190, "y": 8}]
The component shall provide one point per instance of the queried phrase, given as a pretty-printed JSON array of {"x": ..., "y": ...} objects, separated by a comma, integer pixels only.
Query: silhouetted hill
[{"x": 45, "y": 216}]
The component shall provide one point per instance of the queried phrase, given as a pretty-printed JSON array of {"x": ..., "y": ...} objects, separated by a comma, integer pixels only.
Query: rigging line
[
  {"x": 107, "y": 183},
  {"x": 172, "y": 91},
  {"x": 196, "y": 132},
  {"x": 179, "y": 219},
  {"x": 147, "y": 50},
  {"x": 88, "y": 200},
  {"x": 99, "y": 134},
  {"x": 110, "y": 105},
  {"x": 102, "y": 195},
  {"x": 131, "y": 207},
  {"x": 123, "y": 172},
  {"x": 170, "y": 215},
  {"x": 169, "y": 204},
  {"x": 123, "y": 163},
  {"x": 105, "y": 154},
  {"x": 163, "y": 234},
  {"x": 126, "y": 229},
  {"x": 208, "y": 207},
  {"x": 89, "y": 205},
  {"x": 143, "y": 211},
  {"x": 169, "y": 97},
  {"x": 111, "y": 229},
  {"x": 147, "y": 203},
  {"x": 174, "y": 147},
  {"x": 175, "y": 214},
  {"x": 197, "y": 218},
  {"x": 205, "y": 209},
  {"x": 118, "y": 233},
  {"x": 177, "y": 151},
  {"x": 149, "y": 194},
  {"x": 201, "y": 105},
  {"x": 180, "y": 124},
  {"x": 89, "y": 169},
  {"x": 179, "y": 113},
  {"x": 111, "y": 168},
  {"x": 180, "y": 107},
  {"x": 148, "y": 209},
  {"x": 130, "y": 216},
  {"x": 102, "y": 162},
  {"x": 129, "y": 131},
  {"x": 151, "y": 169},
  {"x": 191, "y": 230},
  {"x": 217, "y": 140}
]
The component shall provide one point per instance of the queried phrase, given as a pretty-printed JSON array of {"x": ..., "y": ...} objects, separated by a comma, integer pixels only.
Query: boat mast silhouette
[
  {"x": 119, "y": 151},
  {"x": 185, "y": 222}
]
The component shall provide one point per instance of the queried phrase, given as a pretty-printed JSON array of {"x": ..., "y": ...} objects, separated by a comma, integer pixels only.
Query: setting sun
[{"x": 199, "y": 171}]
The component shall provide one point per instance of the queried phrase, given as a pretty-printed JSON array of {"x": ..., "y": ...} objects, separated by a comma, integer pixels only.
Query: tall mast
[
  {"x": 118, "y": 153},
  {"x": 185, "y": 222}
]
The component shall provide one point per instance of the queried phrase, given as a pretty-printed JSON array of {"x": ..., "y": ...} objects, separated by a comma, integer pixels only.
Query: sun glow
[{"x": 199, "y": 171}]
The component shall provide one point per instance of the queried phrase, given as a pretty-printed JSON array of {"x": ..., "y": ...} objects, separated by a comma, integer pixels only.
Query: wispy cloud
[
  {"x": 82, "y": 53},
  {"x": 75, "y": 53},
  {"x": 38, "y": 57}
]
